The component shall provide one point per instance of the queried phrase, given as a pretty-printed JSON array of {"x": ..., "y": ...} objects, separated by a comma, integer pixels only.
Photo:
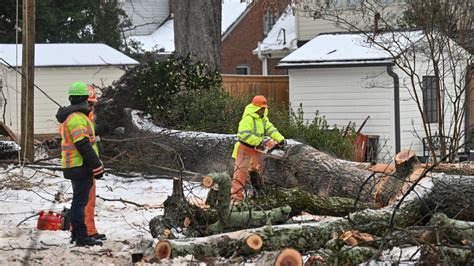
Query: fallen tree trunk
[{"x": 303, "y": 166}]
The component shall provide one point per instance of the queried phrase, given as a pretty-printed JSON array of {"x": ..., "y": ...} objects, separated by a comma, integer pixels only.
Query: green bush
[
  {"x": 316, "y": 133},
  {"x": 212, "y": 110},
  {"x": 183, "y": 93}
]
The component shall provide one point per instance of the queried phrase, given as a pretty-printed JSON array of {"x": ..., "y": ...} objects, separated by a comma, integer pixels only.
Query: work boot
[
  {"x": 73, "y": 238},
  {"x": 81, "y": 242},
  {"x": 98, "y": 236}
]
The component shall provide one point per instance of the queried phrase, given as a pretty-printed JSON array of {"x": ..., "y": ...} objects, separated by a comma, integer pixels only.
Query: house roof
[
  {"x": 163, "y": 37},
  {"x": 282, "y": 37},
  {"x": 67, "y": 54},
  {"x": 350, "y": 49}
]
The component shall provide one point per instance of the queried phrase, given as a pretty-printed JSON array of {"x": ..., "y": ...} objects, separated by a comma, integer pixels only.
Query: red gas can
[{"x": 49, "y": 221}]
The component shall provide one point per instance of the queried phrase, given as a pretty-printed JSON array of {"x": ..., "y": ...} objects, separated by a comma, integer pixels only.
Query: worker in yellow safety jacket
[
  {"x": 253, "y": 128},
  {"x": 79, "y": 157}
]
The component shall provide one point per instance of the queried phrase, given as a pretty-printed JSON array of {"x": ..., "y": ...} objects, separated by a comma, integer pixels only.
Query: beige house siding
[
  {"x": 308, "y": 27},
  {"x": 54, "y": 81}
]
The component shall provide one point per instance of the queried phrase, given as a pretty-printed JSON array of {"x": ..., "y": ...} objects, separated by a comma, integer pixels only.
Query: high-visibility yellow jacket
[
  {"x": 253, "y": 129},
  {"x": 76, "y": 127}
]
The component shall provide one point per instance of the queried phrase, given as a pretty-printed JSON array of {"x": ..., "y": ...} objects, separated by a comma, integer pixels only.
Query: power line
[{"x": 36, "y": 86}]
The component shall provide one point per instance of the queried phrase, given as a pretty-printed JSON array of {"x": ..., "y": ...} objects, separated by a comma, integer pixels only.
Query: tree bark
[
  {"x": 382, "y": 222},
  {"x": 197, "y": 29},
  {"x": 346, "y": 255},
  {"x": 224, "y": 245},
  {"x": 303, "y": 167},
  {"x": 303, "y": 201}
]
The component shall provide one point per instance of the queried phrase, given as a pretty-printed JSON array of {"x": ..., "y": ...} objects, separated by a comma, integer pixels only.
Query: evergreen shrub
[
  {"x": 183, "y": 93},
  {"x": 317, "y": 132}
]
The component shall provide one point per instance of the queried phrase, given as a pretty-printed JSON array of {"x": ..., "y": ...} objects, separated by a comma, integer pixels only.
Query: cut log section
[
  {"x": 225, "y": 245},
  {"x": 207, "y": 181},
  {"x": 187, "y": 222},
  {"x": 407, "y": 171},
  {"x": 254, "y": 241},
  {"x": 163, "y": 250},
  {"x": 288, "y": 257}
]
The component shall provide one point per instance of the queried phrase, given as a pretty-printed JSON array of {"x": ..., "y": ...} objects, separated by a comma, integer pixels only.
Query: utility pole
[{"x": 27, "y": 81}]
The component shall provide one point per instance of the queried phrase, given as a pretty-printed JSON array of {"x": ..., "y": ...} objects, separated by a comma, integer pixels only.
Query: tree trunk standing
[{"x": 197, "y": 29}]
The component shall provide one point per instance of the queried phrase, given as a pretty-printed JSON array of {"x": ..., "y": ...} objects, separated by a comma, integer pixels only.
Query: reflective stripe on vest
[{"x": 67, "y": 144}]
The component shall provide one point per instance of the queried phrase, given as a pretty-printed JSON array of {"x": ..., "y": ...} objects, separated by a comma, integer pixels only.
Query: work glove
[
  {"x": 282, "y": 143},
  {"x": 98, "y": 172},
  {"x": 261, "y": 146},
  {"x": 100, "y": 145}
]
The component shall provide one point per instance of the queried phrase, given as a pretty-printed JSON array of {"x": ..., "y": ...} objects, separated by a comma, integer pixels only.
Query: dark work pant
[{"x": 80, "y": 189}]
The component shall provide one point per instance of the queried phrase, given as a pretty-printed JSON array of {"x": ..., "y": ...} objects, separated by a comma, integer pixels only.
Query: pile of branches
[{"x": 433, "y": 214}]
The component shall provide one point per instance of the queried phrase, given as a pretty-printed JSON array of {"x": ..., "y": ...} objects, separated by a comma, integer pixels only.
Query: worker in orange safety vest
[
  {"x": 79, "y": 158},
  {"x": 253, "y": 128}
]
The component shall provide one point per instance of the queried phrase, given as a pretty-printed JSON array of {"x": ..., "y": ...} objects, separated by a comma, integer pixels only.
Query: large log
[
  {"x": 303, "y": 166},
  {"x": 224, "y": 245}
]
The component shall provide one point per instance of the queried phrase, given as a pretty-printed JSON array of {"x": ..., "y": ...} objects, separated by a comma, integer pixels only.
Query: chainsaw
[{"x": 271, "y": 149}]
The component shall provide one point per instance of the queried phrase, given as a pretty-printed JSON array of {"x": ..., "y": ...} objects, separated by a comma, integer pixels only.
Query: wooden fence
[{"x": 275, "y": 88}]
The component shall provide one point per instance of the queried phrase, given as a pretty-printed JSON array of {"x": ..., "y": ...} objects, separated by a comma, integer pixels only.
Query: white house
[
  {"x": 316, "y": 17},
  {"x": 280, "y": 40},
  {"x": 346, "y": 78},
  {"x": 56, "y": 67},
  {"x": 162, "y": 39}
]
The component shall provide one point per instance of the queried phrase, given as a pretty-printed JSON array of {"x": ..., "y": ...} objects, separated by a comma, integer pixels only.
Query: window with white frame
[
  {"x": 243, "y": 70},
  {"x": 268, "y": 20},
  {"x": 430, "y": 99}
]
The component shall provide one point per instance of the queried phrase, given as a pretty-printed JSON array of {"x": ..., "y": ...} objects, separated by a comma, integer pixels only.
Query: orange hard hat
[
  {"x": 92, "y": 95},
  {"x": 260, "y": 100}
]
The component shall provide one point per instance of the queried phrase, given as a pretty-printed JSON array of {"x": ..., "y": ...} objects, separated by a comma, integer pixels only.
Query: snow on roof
[
  {"x": 350, "y": 48},
  {"x": 231, "y": 11},
  {"x": 163, "y": 37},
  {"x": 67, "y": 54},
  {"x": 278, "y": 40}
]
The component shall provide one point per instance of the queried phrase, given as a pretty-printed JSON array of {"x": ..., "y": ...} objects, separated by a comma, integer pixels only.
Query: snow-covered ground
[{"x": 25, "y": 194}]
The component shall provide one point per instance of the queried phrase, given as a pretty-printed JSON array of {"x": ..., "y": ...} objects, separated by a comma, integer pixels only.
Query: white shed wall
[
  {"x": 55, "y": 82},
  {"x": 346, "y": 95}
]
